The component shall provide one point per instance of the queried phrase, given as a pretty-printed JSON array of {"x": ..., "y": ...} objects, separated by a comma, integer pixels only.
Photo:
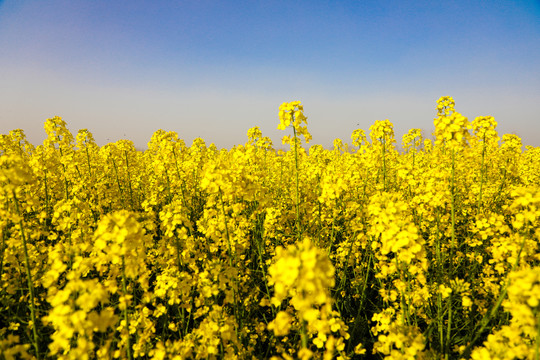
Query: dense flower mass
[{"x": 365, "y": 250}]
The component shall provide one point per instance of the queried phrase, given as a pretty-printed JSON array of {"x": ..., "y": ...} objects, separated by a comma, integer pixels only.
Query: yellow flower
[
  {"x": 281, "y": 324},
  {"x": 293, "y": 113}
]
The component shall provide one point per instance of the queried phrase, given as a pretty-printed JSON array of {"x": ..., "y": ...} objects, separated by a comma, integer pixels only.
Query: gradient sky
[{"x": 214, "y": 69}]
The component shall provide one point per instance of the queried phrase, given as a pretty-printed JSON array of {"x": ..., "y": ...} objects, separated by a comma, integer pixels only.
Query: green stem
[
  {"x": 64, "y": 169},
  {"x": 453, "y": 208},
  {"x": 118, "y": 182},
  {"x": 449, "y": 327},
  {"x": 451, "y": 257},
  {"x": 320, "y": 223},
  {"x": 47, "y": 204},
  {"x": 537, "y": 349},
  {"x": 169, "y": 195},
  {"x": 182, "y": 188},
  {"x": 298, "y": 228},
  {"x": 226, "y": 228},
  {"x": 304, "y": 335},
  {"x": 332, "y": 236},
  {"x": 179, "y": 262},
  {"x": 2, "y": 249},
  {"x": 405, "y": 318},
  {"x": 129, "y": 180},
  {"x": 29, "y": 278},
  {"x": 384, "y": 162},
  {"x": 440, "y": 270},
  {"x": 89, "y": 163},
  {"x": 126, "y": 315},
  {"x": 501, "y": 186},
  {"x": 262, "y": 265},
  {"x": 482, "y": 173},
  {"x": 440, "y": 320}
]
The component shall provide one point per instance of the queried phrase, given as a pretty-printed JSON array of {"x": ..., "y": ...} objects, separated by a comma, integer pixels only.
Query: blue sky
[{"x": 214, "y": 69}]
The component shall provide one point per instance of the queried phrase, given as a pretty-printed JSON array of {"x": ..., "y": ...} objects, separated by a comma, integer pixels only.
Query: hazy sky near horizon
[{"x": 214, "y": 69}]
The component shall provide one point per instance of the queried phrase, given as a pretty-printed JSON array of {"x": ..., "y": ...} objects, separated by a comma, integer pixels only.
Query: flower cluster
[
  {"x": 451, "y": 128},
  {"x": 304, "y": 275},
  {"x": 293, "y": 114}
]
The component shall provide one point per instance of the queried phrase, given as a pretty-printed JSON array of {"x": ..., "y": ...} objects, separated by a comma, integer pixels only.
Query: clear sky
[{"x": 214, "y": 69}]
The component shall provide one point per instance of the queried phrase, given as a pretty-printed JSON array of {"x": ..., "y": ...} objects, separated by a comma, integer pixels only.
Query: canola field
[{"x": 191, "y": 252}]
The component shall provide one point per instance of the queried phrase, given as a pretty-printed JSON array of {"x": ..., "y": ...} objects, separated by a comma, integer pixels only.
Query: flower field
[{"x": 191, "y": 252}]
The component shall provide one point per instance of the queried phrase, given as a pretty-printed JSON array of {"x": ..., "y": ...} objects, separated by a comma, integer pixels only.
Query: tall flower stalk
[
  {"x": 382, "y": 136},
  {"x": 451, "y": 131},
  {"x": 293, "y": 114}
]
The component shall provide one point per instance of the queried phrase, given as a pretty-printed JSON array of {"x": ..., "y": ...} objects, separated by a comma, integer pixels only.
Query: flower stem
[
  {"x": 537, "y": 351},
  {"x": 118, "y": 182},
  {"x": 226, "y": 228},
  {"x": 384, "y": 162},
  {"x": 298, "y": 228},
  {"x": 482, "y": 171},
  {"x": 451, "y": 257},
  {"x": 129, "y": 181},
  {"x": 28, "y": 277},
  {"x": 126, "y": 315}
]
